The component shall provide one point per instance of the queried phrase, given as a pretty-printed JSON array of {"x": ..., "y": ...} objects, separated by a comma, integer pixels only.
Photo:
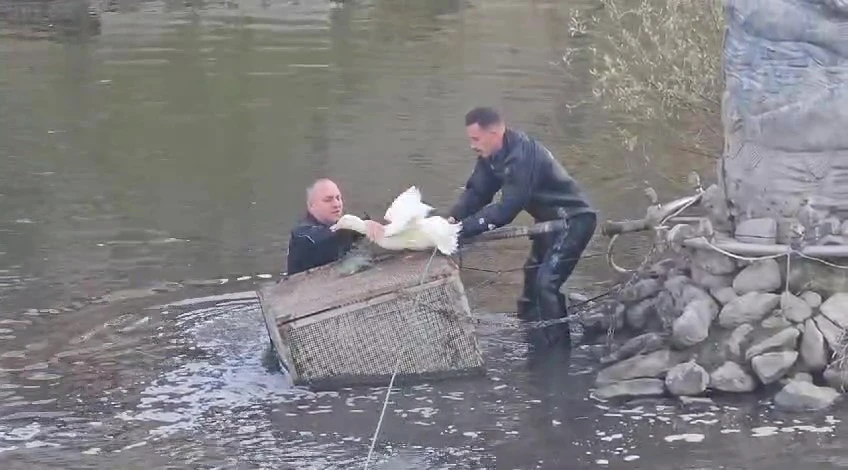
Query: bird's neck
[{"x": 358, "y": 225}]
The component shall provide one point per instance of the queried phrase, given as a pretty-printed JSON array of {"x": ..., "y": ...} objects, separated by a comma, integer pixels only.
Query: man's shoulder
[
  {"x": 524, "y": 145},
  {"x": 306, "y": 226}
]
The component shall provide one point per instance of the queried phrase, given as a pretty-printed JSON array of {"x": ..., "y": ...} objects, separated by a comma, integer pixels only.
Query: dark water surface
[{"x": 149, "y": 176}]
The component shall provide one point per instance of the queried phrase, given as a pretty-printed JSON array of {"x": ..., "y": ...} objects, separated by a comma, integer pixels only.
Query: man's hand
[
  {"x": 373, "y": 230},
  {"x": 451, "y": 220}
]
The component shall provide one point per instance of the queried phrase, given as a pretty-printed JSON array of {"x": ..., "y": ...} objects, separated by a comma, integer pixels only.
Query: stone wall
[{"x": 698, "y": 322}]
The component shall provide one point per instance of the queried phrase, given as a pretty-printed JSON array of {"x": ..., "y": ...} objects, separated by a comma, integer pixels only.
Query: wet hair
[{"x": 483, "y": 116}]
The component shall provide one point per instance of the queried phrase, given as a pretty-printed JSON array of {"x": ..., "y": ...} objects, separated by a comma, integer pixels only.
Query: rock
[
  {"x": 836, "y": 375},
  {"x": 723, "y": 294},
  {"x": 640, "y": 290},
  {"x": 759, "y": 276},
  {"x": 654, "y": 364},
  {"x": 833, "y": 240},
  {"x": 747, "y": 308},
  {"x": 662, "y": 267},
  {"x": 713, "y": 262},
  {"x": 596, "y": 321},
  {"x": 805, "y": 396},
  {"x": 665, "y": 268},
  {"x": 687, "y": 378},
  {"x": 712, "y": 352},
  {"x": 697, "y": 404},
  {"x": 693, "y": 326},
  {"x": 637, "y": 315},
  {"x": 813, "y": 299},
  {"x": 831, "y": 332},
  {"x": 730, "y": 377},
  {"x": 775, "y": 322},
  {"x": 631, "y": 388},
  {"x": 811, "y": 275},
  {"x": 785, "y": 339},
  {"x": 710, "y": 281},
  {"x": 762, "y": 230},
  {"x": 787, "y": 230},
  {"x": 835, "y": 309},
  {"x": 803, "y": 377},
  {"x": 770, "y": 367},
  {"x": 794, "y": 308},
  {"x": 666, "y": 310},
  {"x": 831, "y": 226},
  {"x": 593, "y": 322},
  {"x": 715, "y": 203},
  {"x": 642, "y": 344},
  {"x": 813, "y": 349},
  {"x": 683, "y": 291},
  {"x": 737, "y": 339}
]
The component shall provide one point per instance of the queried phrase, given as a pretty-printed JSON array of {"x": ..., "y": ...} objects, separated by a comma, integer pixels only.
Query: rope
[
  {"x": 531, "y": 266},
  {"x": 539, "y": 324},
  {"x": 822, "y": 261},
  {"x": 788, "y": 255},
  {"x": 395, "y": 369}
]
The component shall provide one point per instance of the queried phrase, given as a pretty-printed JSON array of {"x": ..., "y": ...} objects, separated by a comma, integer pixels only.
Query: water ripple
[{"x": 235, "y": 379}]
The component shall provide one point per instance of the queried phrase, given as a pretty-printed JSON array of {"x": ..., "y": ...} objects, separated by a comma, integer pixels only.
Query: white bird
[
  {"x": 404, "y": 209},
  {"x": 409, "y": 227}
]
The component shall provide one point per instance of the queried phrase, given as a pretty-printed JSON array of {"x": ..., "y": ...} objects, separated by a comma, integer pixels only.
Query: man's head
[
  {"x": 485, "y": 130},
  {"x": 324, "y": 201}
]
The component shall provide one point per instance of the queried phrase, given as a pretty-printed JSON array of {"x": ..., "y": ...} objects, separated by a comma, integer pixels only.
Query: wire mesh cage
[{"x": 332, "y": 328}]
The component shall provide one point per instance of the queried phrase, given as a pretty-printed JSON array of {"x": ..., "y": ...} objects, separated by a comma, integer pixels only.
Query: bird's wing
[{"x": 404, "y": 209}]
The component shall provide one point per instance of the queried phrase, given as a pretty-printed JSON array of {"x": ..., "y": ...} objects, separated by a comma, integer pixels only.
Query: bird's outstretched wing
[{"x": 407, "y": 207}]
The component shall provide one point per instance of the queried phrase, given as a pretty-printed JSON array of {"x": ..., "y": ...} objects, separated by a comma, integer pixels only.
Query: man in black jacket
[
  {"x": 530, "y": 179},
  {"x": 312, "y": 243}
]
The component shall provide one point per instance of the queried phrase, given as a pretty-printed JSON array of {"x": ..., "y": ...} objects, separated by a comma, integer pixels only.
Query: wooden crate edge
[{"x": 270, "y": 318}]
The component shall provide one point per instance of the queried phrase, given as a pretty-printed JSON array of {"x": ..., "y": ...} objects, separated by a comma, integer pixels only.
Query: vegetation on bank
[{"x": 657, "y": 63}]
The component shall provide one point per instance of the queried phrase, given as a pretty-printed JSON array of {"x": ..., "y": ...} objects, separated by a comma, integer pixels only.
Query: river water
[{"x": 148, "y": 180}]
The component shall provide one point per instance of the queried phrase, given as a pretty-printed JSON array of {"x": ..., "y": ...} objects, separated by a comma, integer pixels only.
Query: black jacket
[
  {"x": 530, "y": 179},
  {"x": 313, "y": 244}
]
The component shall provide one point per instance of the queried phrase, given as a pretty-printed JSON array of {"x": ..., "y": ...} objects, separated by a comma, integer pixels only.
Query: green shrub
[{"x": 656, "y": 66}]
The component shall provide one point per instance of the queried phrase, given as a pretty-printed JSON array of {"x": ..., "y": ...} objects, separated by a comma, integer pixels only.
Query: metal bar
[{"x": 519, "y": 231}]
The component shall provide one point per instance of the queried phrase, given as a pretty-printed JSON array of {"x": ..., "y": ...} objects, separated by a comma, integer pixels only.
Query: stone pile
[{"x": 700, "y": 322}]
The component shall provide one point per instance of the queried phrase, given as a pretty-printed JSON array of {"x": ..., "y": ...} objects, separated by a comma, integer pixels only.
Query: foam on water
[{"x": 235, "y": 378}]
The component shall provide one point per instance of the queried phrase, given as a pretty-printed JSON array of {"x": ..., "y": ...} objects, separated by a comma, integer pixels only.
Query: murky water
[{"x": 149, "y": 176}]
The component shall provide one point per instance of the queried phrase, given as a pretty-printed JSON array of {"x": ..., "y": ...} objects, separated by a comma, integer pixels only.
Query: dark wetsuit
[
  {"x": 313, "y": 244},
  {"x": 531, "y": 179}
]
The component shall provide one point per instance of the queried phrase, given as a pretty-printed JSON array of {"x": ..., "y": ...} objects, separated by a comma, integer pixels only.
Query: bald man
[{"x": 312, "y": 243}]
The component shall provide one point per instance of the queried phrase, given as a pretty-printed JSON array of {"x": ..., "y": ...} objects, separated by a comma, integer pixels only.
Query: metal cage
[{"x": 334, "y": 329}]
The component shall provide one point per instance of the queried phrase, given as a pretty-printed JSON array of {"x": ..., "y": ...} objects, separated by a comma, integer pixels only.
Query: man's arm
[
  {"x": 519, "y": 175},
  {"x": 479, "y": 190}
]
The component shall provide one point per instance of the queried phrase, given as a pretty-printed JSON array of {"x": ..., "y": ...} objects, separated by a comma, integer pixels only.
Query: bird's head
[{"x": 349, "y": 222}]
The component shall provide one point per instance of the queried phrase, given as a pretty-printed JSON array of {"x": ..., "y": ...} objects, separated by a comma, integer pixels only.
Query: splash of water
[{"x": 235, "y": 378}]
